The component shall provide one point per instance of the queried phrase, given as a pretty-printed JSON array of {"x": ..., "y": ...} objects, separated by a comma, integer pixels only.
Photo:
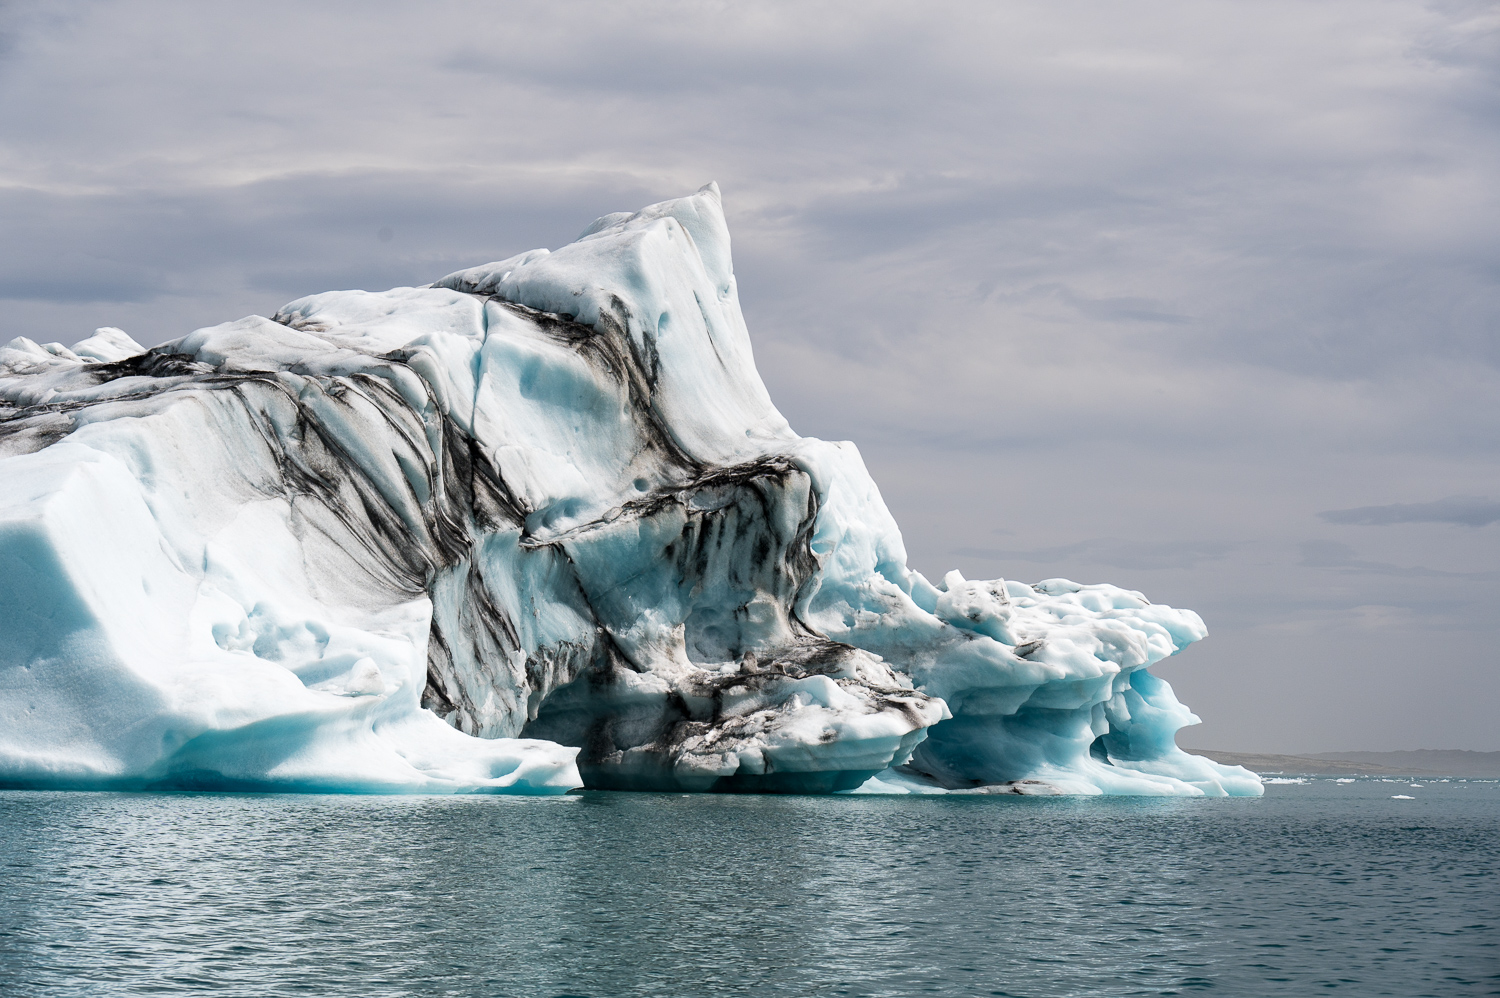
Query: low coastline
[{"x": 1419, "y": 762}]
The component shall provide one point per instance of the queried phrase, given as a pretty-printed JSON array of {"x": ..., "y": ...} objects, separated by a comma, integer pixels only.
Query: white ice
[{"x": 535, "y": 525}]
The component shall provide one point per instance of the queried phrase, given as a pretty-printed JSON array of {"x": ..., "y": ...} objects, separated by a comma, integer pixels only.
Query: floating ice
[{"x": 534, "y": 526}]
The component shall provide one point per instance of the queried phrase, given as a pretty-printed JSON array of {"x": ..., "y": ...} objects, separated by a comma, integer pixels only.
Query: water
[{"x": 1316, "y": 887}]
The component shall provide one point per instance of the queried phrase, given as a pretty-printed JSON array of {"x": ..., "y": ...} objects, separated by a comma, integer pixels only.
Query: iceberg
[{"x": 532, "y": 527}]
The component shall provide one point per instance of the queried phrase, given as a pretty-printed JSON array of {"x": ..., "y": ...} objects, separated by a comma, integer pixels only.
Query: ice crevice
[{"x": 537, "y": 525}]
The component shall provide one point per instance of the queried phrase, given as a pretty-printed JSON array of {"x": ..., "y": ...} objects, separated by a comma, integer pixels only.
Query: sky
[{"x": 1196, "y": 297}]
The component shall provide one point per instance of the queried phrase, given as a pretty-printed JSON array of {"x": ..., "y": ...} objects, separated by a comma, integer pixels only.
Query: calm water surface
[{"x": 1316, "y": 887}]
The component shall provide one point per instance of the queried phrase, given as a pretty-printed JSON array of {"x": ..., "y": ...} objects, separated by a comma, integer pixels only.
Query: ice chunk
[{"x": 534, "y": 526}]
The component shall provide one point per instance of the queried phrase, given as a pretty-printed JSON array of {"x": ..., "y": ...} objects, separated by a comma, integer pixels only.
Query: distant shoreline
[{"x": 1421, "y": 762}]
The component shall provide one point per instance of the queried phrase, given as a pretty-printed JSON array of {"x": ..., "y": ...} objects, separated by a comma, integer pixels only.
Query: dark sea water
[{"x": 1315, "y": 888}]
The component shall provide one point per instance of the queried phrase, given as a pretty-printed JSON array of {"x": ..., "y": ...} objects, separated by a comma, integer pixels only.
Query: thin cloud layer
[
  {"x": 1468, "y": 511},
  {"x": 1177, "y": 274},
  {"x": 1115, "y": 553},
  {"x": 1336, "y": 555}
]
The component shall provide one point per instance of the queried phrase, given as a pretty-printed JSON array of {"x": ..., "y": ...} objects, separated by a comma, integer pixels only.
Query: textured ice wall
[{"x": 453, "y": 537}]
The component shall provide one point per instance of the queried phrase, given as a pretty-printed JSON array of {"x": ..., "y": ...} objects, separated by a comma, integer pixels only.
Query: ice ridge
[{"x": 535, "y": 526}]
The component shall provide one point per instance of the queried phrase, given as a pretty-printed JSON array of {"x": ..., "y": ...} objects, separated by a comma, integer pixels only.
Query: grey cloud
[
  {"x": 1327, "y": 554},
  {"x": 1333, "y": 554},
  {"x": 1469, "y": 511},
  {"x": 1113, "y": 553},
  {"x": 284, "y": 237},
  {"x": 1109, "y": 309},
  {"x": 907, "y": 209},
  {"x": 626, "y": 60}
]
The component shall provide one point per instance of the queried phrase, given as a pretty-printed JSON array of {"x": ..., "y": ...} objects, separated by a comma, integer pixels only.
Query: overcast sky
[{"x": 1200, "y": 298}]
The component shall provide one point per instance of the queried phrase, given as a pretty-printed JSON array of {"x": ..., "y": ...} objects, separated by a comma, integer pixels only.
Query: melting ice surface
[{"x": 534, "y": 526}]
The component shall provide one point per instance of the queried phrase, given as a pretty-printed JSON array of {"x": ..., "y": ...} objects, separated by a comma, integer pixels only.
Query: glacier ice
[{"x": 534, "y": 526}]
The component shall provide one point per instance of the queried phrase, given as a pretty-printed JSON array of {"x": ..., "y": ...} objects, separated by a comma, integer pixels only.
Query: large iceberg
[{"x": 532, "y": 527}]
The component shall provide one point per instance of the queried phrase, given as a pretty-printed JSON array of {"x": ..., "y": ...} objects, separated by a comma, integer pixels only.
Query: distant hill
[
  {"x": 1449, "y": 762},
  {"x": 1420, "y": 762}
]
